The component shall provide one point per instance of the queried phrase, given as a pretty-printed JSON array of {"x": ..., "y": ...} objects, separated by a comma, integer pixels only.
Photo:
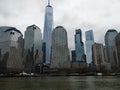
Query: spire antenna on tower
[{"x": 48, "y": 2}]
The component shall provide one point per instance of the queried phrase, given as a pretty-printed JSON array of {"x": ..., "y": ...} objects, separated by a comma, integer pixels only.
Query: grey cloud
[{"x": 98, "y": 15}]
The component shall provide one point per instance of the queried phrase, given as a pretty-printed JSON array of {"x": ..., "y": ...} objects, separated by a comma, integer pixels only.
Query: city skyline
[
  {"x": 87, "y": 15},
  {"x": 46, "y": 51}
]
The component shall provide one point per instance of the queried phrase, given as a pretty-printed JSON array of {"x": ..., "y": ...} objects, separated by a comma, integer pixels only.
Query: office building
[
  {"x": 117, "y": 42},
  {"x": 79, "y": 47},
  {"x": 110, "y": 47},
  {"x": 11, "y": 50},
  {"x": 60, "y": 51},
  {"x": 98, "y": 56},
  {"x": 32, "y": 47},
  {"x": 89, "y": 43},
  {"x": 48, "y": 26}
]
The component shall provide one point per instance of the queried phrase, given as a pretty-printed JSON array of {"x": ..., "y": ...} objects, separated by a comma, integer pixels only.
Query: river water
[{"x": 61, "y": 83}]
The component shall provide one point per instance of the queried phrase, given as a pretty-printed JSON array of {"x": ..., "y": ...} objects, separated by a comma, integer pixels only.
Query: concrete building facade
[
  {"x": 117, "y": 42},
  {"x": 60, "y": 52},
  {"x": 110, "y": 48},
  {"x": 11, "y": 50},
  {"x": 98, "y": 56}
]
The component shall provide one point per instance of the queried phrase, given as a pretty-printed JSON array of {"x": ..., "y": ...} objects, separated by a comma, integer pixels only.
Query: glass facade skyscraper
[
  {"x": 89, "y": 43},
  {"x": 32, "y": 47},
  {"x": 79, "y": 46},
  {"x": 110, "y": 47},
  {"x": 48, "y": 26}
]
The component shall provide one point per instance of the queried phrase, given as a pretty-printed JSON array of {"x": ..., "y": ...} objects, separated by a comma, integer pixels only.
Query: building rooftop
[
  {"x": 8, "y": 28},
  {"x": 112, "y": 30},
  {"x": 13, "y": 29}
]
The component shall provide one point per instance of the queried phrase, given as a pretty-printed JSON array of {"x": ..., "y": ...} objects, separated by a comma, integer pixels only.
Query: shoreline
[{"x": 58, "y": 75}]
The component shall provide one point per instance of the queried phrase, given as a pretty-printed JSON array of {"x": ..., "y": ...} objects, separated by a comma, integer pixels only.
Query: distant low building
[{"x": 78, "y": 65}]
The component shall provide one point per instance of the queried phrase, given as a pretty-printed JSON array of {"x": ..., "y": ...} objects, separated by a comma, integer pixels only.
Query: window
[{"x": 12, "y": 33}]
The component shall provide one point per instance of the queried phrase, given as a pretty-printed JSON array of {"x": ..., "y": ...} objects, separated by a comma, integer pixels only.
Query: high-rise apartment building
[
  {"x": 32, "y": 47},
  {"x": 110, "y": 47},
  {"x": 60, "y": 52},
  {"x": 48, "y": 26},
  {"x": 11, "y": 50},
  {"x": 89, "y": 43}
]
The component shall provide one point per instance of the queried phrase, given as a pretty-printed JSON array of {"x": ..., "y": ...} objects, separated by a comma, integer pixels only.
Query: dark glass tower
[{"x": 79, "y": 46}]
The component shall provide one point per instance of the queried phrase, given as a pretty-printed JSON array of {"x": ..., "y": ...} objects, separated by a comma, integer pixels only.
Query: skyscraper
[
  {"x": 89, "y": 43},
  {"x": 11, "y": 50},
  {"x": 117, "y": 41},
  {"x": 32, "y": 47},
  {"x": 48, "y": 26},
  {"x": 110, "y": 47},
  {"x": 79, "y": 46},
  {"x": 60, "y": 51},
  {"x": 98, "y": 56}
]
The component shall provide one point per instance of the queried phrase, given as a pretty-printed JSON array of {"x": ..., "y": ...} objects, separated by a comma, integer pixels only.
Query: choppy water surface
[{"x": 61, "y": 83}]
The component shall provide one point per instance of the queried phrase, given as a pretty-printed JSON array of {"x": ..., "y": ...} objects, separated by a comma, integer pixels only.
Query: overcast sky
[{"x": 98, "y": 15}]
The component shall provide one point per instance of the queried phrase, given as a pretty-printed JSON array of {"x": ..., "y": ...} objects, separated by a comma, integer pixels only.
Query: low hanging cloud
[{"x": 98, "y": 15}]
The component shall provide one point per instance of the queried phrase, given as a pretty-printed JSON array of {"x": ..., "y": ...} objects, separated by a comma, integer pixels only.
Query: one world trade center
[{"x": 48, "y": 26}]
